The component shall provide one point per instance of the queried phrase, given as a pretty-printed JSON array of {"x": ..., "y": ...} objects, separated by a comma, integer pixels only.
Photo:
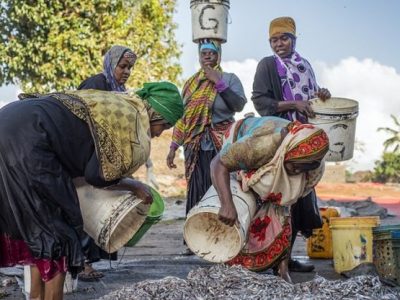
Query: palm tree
[{"x": 394, "y": 140}]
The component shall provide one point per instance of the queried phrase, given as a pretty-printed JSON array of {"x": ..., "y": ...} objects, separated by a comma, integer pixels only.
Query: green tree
[
  {"x": 48, "y": 45},
  {"x": 394, "y": 140},
  {"x": 388, "y": 169}
]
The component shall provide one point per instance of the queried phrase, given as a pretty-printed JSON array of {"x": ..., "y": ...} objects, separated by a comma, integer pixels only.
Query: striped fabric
[{"x": 198, "y": 96}]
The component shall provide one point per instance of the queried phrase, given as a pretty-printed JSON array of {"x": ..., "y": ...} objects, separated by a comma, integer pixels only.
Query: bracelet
[
  {"x": 173, "y": 146},
  {"x": 221, "y": 86}
]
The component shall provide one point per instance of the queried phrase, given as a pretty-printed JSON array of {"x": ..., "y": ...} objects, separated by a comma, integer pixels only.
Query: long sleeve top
[
  {"x": 267, "y": 91},
  {"x": 230, "y": 101}
]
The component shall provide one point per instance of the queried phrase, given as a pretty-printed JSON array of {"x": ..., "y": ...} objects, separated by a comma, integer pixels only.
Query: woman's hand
[
  {"x": 142, "y": 191},
  {"x": 323, "y": 94},
  {"x": 304, "y": 107},
  {"x": 137, "y": 188},
  {"x": 170, "y": 159},
  {"x": 228, "y": 215},
  {"x": 220, "y": 179},
  {"x": 212, "y": 74}
]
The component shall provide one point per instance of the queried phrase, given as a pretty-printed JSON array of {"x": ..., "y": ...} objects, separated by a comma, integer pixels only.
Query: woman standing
[
  {"x": 45, "y": 142},
  {"x": 117, "y": 66},
  {"x": 280, "y": 161},
  {"x": 283, "y": 84},
  {"x": 211, "y": 98}
]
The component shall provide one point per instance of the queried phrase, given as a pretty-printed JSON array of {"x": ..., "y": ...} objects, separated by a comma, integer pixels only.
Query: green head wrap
[{"x": 164, "y": 98}]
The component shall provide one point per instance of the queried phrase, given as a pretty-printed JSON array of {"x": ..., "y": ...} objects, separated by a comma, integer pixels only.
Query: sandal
[{"x": 90, "y": 274}]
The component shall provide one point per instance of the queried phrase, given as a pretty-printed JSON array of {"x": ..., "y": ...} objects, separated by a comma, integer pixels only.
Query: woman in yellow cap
[{"x": 283, "y": 84}]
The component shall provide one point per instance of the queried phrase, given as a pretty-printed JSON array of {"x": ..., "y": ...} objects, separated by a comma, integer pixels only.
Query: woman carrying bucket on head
[
  {"x": 283, "y": 84},
  {"x": 211, "y": 97},
  {"x": 45, "y": 142},
  {"x": 280, "y": 161}
]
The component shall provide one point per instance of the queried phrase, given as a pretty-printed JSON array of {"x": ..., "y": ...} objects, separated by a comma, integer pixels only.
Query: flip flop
[{"x": 93, "y": 275}]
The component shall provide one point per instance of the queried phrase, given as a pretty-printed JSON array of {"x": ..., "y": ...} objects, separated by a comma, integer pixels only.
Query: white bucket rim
[
  {"x": 225, "y": 3},
  {"x": 347, "y": 106},
  {"x": 108, "y": 232},
  {"x": 214, "y": 212}
]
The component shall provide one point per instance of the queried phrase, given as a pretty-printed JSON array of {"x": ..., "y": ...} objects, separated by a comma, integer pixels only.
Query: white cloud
[{"x": 373, "y": 85}]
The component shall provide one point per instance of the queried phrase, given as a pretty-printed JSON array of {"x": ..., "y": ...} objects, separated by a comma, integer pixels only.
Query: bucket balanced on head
[
  {"x": 209, "y": 19},
  {"x": 211, "y": 239}
]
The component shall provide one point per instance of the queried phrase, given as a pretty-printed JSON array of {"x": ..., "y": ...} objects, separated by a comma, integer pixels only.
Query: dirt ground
[{"x": 159, "y": 253}]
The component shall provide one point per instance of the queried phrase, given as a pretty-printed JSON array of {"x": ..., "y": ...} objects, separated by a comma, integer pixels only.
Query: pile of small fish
[{"x": 223, "y": 282}]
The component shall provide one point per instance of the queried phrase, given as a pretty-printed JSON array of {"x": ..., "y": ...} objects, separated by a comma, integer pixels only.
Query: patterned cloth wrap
[
  {"x": 298, "y": 81},
  {"x": 244, "y": 147},
  {"x": 119, "y": 124}
]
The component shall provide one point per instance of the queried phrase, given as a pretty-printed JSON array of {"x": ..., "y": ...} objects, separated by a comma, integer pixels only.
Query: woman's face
[
  {"x": 208, "y": 58},
  {"x": 281, "y": 44},
  {"x": 157, "y": 127},
  {"x": 123, "y": 70},
  {"x": 295, "y": 168}
]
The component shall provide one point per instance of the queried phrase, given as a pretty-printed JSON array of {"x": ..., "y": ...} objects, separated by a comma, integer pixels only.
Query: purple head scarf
[{"x": 297, "y": 80}]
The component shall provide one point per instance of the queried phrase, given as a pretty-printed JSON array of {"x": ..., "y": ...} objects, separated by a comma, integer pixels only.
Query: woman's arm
[
  {"x": 93, "y": 177},
  {"x": 220, "y": 180},
  {"x": 138, "y": 188},
  {"x": 232, "y": 93},
  {"x": 263, "y": 96}
]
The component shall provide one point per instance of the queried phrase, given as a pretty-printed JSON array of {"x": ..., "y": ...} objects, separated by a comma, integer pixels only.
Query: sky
[{"x": 352, "y": 45}]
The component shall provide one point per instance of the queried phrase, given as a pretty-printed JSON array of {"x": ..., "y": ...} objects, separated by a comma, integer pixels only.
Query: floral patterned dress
[{"x": 255, "y": 150}]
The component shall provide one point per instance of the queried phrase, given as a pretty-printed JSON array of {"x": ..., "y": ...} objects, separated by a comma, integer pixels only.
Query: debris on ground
[
  {"x": 223, "y": 282},
  {"x": 361, "y": 208}
]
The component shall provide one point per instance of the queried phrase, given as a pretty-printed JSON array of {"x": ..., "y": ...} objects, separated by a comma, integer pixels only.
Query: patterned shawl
[
  {"x": 198, "y": 97},
  {"x": 119, "y": 124},
  {"x": 297, "y": 80},
  {"x": 304, "y": 142}
]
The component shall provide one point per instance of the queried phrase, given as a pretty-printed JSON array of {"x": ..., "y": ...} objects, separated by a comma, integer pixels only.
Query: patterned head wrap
[
  {"x": 164, "y": 98},
  {"x": 211, "y": 44},
  {"x": 309, "y": 143},
  {"x": 111, "y": 60}
]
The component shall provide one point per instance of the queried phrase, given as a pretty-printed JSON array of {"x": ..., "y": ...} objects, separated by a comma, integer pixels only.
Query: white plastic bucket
[
  {"x": 70, "y": 285},
  {"x": 337, "y": 116},
  {"x": 110, "y": 217},
  {"x": 209, "y": 19},
  {"x": 211, "y": 239}
]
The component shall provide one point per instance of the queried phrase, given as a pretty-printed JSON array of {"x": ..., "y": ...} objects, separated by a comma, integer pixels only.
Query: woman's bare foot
[{"x": 284, "y": 270}]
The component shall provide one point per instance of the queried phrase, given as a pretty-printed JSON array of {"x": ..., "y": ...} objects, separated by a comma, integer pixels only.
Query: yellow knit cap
[{"x": 282, "y": 25}]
